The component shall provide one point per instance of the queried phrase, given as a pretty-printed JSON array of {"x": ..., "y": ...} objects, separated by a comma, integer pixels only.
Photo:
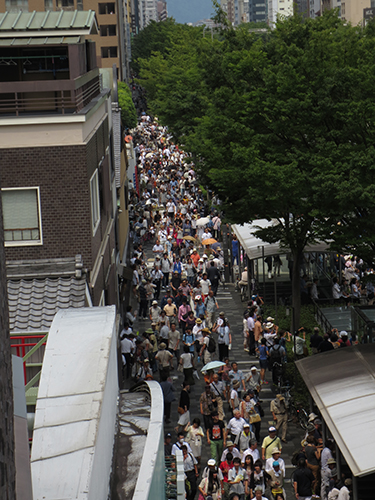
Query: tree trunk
[
  {"x": 296, "y": 292},
  {"x": 7, "y": 458}
]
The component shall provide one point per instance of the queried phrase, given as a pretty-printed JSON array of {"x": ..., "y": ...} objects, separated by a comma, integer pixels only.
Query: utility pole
[{"x": 7, "y": 455}]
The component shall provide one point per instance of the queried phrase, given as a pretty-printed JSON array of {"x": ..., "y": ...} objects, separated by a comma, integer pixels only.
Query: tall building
[
  {"x": 162, "y": 10},
  {"x": 56, "y": 134},
  {"x": 258, "y": 11},
  {"x": 111, "y": 40},
  {"x": 279, "y": 8}
]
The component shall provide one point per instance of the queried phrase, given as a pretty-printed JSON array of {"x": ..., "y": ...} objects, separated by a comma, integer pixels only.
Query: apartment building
[
  {"x": 57, "y": 172},
  {"x": 112, "y": 39}
]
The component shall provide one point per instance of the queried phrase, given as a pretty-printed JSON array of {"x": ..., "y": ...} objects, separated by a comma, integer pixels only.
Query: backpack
[
  {"x": 211, "y": 345},
  {"x": 275, "y": 355}
]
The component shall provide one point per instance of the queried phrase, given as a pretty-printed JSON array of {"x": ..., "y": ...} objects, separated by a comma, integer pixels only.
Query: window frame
[
  {"x": 27, "y": 243},
  {"x": 95, "y": 179}
]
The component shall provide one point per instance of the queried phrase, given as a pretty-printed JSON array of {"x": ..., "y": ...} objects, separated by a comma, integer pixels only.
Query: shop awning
[
  {"x": 342, "y": 384},
  {"x": 253, "y": 245}
]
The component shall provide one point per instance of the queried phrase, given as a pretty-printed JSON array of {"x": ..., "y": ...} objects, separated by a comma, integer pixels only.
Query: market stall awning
[
  {"x": 253, "y": 245},
  {"x": 342, "y": 384}
]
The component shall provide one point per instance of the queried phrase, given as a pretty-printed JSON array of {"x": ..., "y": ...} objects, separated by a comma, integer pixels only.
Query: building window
[
  {"x": 107, "y": 8},
  {"x": 79, "y": 4},
  {"x": 21, "y": 216},
  {"x": 65, "y": 5},
  {"x": 95, "y": 201},
  {"x": 48, "y": 5},
  {"x": 108, "y": 30},
  {"x": 109, "y": 52},
  {"x": 16, "y": 5}
]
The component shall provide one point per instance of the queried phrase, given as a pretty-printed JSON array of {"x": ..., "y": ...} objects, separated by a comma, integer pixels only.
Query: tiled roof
[
  {"x": 33, "y": 303},
  {"x": 38, "y": 22}
]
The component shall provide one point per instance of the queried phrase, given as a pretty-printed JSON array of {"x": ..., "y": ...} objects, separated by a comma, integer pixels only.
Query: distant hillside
[{"x": 190, "y": 11}]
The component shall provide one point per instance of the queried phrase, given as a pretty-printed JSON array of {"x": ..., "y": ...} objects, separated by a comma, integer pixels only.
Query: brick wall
[{"x": 61, "y": 176}]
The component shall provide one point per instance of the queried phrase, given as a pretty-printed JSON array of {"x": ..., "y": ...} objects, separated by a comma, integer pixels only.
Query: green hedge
[{"x": 128, "y": 111}]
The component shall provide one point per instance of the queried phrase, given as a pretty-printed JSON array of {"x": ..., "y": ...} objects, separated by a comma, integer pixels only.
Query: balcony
[{"x": 49, "y": 97}]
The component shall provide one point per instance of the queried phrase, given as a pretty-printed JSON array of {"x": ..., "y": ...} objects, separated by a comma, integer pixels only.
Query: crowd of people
[{"x": 175, "y": 291}]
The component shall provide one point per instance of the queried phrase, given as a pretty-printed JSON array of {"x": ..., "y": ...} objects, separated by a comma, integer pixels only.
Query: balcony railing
[{"x": 56, "y": 101}]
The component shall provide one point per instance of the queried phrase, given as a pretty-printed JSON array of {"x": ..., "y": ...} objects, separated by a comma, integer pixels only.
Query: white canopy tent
[{"x": 254, "y": 246}]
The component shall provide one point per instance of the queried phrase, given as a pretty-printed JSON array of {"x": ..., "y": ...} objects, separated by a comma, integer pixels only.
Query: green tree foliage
[
  {"x": 128, "y": 111},
  {"x": 282, "y": 127},
  {"x": 157, "y": 37}
]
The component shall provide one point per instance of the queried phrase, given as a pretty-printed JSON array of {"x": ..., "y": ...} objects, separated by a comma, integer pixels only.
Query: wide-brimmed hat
[
  {"x": 236, "y": 384},
  {"x": 275, "y": 450},
  {"x": 230, "y": 443},
  {"x": 198, "y": 321},
  {"x": 269, "y": 325},
  {"x": 162, "y": 345},
  {"x": 154, "y": 302}
]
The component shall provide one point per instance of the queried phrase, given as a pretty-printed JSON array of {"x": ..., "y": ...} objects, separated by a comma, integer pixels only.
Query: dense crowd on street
[{"x": 184, "y": 330}]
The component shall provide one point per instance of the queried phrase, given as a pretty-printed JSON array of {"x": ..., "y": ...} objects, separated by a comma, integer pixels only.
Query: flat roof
[
  {"x": 26, "y": 24},
  {"x": 342, "y": 383},
  {"x": 253, "y": 245}
]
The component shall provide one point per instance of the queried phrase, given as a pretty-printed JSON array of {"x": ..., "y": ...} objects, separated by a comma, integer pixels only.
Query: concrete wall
[
  {"x": 76, "y": 408},
  {"x": 151, "y": 477}
]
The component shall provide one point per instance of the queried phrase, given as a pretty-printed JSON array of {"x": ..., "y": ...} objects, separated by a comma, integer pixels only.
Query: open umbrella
[
  {"x": 203, "y": 221},
  {"x": 209, "y": 241},
  {"x": 189, "y": 238},
  {"x": 212, "y": 365}
]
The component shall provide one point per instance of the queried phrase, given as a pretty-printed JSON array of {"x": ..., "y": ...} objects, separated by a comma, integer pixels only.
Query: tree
[
  {"x": 287, "y": 129},
  {"x": 157, "y": 37},
  {"x": 128, "y": 111}
]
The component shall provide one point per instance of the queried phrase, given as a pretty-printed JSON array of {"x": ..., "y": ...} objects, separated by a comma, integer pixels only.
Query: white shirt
[
  {"x": 235, "y": 425},
  {"x": 254, "y": 453},
  {"x": 271, "y": 460},
  {"x": 177, "y": 446},
  {"x": 205, "y": 284},
  {"x": 250, "y": 323}
]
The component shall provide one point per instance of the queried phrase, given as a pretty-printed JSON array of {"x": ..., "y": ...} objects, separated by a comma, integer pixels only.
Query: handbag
[
  {"x": 180, "y": 410},
  {"x": 180, "y": 368},
  {"x": 254, "y": 418}
]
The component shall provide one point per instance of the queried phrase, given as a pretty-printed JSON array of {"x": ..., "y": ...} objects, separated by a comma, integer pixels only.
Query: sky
[{"x": 190, "y": 11}]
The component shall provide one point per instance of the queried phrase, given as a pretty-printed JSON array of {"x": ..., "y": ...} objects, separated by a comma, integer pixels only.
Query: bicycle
[{"x": 296, "y": 411}]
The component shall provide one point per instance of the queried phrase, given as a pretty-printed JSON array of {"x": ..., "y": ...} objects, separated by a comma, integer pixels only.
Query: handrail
[
  {"x": 321, "y": 319},
  {"x": 35, "y": 348},
  {"x": 31, "y": 382}
]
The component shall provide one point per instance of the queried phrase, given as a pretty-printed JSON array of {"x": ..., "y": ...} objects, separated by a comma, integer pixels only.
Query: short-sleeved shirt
[
  {"x": 303, "y": 477},
  {"x": 276, "y": 443},
  {"x": 216, "y": 430},
  {"x": 173, "y": 337},
  {"x": 238, "y": 487}
]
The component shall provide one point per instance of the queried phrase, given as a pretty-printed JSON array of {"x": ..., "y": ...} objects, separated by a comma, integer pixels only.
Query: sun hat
[
  {"x": 230, "y": 443},
  {"x": 154, "y": 302},
  {"x": 270, "y": 319},
  {"x": 211, "y": 462},
  {"x": 275, "y": 450},
  {"x": 269, "y": 325},
  {"x": 198, "y": 321},
  {"x": 272, "y": 429},
  {"x": 331, "y": 461},
  {"x": 236, "y": 384}
]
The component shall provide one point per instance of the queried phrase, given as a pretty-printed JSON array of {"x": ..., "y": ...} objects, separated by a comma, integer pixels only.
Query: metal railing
[
  {"x": 27, "y": 345},
  {"x": 320, "y": 317},
  {"x": 63, "y": 101}
]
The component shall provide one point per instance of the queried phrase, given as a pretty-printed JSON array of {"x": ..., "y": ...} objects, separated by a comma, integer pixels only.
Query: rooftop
[{"x": 21, "y": 24}]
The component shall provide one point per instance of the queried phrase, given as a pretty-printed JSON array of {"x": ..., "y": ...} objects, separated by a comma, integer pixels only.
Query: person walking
[{"x": 280, "y": 415}]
